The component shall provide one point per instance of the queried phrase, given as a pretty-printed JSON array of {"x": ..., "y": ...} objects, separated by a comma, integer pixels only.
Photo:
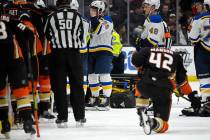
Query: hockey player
[
  {"x": 199, "y": 36},
  {"x": 12, "y": 65},
  {"x": 43, "y": 58},
  {"x": 100, "y": 56},
  {"x": 155, "y": 30},
  {"x": 158, "y": 67},
  {"x": 40, "y": 51}
]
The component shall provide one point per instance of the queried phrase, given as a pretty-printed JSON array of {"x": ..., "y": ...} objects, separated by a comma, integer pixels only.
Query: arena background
[{"x": 128, "y": 20}]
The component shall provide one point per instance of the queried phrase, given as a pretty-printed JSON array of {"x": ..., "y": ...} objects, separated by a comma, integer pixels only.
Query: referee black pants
[{"x": 63, "y": 63}]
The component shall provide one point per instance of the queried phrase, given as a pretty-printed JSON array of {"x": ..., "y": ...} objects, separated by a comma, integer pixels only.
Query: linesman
[{"x": 64, "y": 28}]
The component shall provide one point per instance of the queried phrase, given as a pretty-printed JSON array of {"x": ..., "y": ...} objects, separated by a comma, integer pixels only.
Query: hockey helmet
[
  {"x": 155, "y": 3},
  {"x": 40, "y": 3},
  {"x": 74, "y": 5},
  {"x": 100, "y": 5},
  {"x": 206, "y": 2}
]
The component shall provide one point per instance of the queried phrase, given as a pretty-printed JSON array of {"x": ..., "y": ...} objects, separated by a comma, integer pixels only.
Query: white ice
[{"x": 122, "y": 124}]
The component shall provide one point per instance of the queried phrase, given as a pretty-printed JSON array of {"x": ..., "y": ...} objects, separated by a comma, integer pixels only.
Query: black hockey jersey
[
  {"x": 10, "y": 27},
  {"x": 159, "y": 66}
]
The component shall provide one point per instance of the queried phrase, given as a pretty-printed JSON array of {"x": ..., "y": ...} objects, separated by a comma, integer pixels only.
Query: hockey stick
[
  {"x": 181, "y": 96},
  {"x": 33, "y": 91},
  {"x": 10, "y": 115},
  {"x": 52, "y": 102}
]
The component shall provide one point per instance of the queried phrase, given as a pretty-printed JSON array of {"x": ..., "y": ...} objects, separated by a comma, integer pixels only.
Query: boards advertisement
[{"x": 186, "y": 52}]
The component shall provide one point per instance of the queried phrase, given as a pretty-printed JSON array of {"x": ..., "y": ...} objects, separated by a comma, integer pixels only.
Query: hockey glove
[{"x": 195, "y": 101}]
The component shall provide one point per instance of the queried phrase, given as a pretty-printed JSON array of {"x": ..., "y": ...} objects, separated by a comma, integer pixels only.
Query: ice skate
[
  {"x": 205, "y": 110},
  {"x": 47, "y": 117},
  {"x": 18, "y": 123},
  {"x": 61, "y": 123},
  {"x": 92, "y": 104},
  {"x": 104, "y": 104},
  {"x": 81, "y": 122},
  {"x": 17, "y": 126},
  {"x": 189, "y": 111},
  {"x": 28, "y": 128},
  {"x": 6, "y": 129},
  {"x": 145, "y": 121}
]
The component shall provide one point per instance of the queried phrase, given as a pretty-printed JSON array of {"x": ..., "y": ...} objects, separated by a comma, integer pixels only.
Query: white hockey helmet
[
  {"x": 98, "y": 4},
  {"x": 155, "y": 3},
  {"x": 40, "y": 3},
  {"x": 206, "y": 2},
  {"x": 74, "y": 5}
]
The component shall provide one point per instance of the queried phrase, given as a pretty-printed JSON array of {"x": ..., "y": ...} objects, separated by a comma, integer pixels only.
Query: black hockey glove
[{"x": 195, "y": 101}]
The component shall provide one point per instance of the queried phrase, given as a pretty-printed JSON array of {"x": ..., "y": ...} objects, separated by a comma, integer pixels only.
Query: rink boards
[{"x": 187, "y": 53}]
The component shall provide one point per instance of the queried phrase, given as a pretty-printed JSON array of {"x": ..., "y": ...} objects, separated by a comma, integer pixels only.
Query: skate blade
[
  {"x": 103, "y": 108},
  {"x": 7, "y": 135},
  {"x": 146, "y": 124},
  {"x": 31, "y": 137},
  {"x": 44, "y": 120},
  {"x": 91, "y": 108},
  {"x": 17, "y": 127},
  {"x": 63, "y": 125},
  {"x": 79, "y": 125}
]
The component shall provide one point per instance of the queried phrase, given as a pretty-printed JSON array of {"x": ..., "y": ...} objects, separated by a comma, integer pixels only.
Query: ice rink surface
[{"x": 123, "y": 124}]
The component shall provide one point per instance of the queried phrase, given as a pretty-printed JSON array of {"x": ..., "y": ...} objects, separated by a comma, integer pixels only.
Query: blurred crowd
[{"x": 118, "y": 9}]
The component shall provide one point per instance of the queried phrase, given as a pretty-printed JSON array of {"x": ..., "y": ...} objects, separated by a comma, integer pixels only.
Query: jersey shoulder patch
[{"x": 155, "y": 18}]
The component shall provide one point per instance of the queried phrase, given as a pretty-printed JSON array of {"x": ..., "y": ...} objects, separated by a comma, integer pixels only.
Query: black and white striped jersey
[{"x": 64, "y": 28}]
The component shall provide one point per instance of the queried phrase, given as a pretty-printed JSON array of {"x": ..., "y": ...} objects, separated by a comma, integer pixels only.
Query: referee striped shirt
[{"x": 64, "y": 27}]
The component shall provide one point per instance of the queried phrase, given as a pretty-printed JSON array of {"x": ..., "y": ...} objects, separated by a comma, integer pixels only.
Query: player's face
[
  {"x": 147, "y": 9},
  {"x": 199, "y": 7},
  {"x": 93, "y": 12}
]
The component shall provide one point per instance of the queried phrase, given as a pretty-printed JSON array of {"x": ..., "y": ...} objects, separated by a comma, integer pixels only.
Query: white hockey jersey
[
  {"x": 101, "y": 38},
  {"x": 200, "y": 31},
  {"x": 156, "y": 31},
  {"x": 86, "y": 36}
]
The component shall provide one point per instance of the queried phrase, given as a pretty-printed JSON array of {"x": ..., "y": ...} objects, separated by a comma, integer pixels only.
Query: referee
[{"x": 64, "y": 28}]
